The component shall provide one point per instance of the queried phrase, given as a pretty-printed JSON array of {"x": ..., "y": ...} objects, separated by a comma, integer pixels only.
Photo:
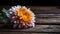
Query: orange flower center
[{"x": 24, "y": 15}]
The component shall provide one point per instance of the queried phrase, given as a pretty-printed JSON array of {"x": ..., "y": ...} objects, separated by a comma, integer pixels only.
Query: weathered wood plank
[
  {"x": 36, "y": 29},
  {"x": 48, "y": 20},
  {"x": 24, "y": 33},
  {"x": 42, "y": 7},
  {"x": 48, "y": 15},
  {"x": 45, "y": 10},
  {"x": 56, "y": 11}
]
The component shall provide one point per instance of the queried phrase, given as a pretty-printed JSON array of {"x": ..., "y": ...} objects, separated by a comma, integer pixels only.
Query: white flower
[{"x": 14, "y": 10}]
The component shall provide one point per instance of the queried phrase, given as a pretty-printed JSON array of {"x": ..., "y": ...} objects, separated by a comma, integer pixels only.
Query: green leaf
[
  {"x": 4, "y": 16},
  {"x": 5, "y": 11}
]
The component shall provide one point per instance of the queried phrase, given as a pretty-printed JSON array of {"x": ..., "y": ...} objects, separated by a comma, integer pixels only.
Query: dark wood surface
[
  {"x": 36, "y": 29},
  {"x": 47, "y": 20}
]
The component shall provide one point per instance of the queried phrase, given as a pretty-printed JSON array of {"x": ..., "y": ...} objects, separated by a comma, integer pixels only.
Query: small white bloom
[{"x": 15, "y": 8}]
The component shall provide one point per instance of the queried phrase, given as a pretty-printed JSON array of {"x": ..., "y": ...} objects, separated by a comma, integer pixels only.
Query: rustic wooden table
[{"x": 47, "y": 21}]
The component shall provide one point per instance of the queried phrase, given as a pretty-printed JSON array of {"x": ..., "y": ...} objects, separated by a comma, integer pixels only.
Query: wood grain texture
[
  {"x": 44, "y": 15},
  {"x": 48, "y": 15},
  {"x": 48, "y": 20},
  {"x": 36, "y": 29},
  {"x": 24, "y": 33}
]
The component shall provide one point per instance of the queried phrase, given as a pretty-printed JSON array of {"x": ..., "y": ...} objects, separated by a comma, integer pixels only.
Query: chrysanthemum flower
[{"x": 22, "y": 16}]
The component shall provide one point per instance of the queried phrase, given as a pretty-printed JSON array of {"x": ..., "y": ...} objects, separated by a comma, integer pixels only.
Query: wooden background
[{"x": 47, "y": 21}]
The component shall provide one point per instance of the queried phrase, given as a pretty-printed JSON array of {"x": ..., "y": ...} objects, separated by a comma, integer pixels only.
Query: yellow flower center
[{"x": 24, "y": 15}]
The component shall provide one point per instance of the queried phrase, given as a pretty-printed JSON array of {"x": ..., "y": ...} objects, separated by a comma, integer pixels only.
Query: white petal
[
  {"x": 10, "y": 12},
  {"x": 31, "y": 24},
  {"x": 10, "y": 9},
  {"x": 15, "y": 22},
  {"x": 18, "y": 6},
  {"x": 13, "y": 17}
]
